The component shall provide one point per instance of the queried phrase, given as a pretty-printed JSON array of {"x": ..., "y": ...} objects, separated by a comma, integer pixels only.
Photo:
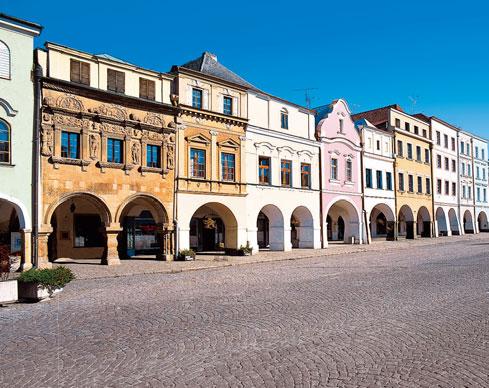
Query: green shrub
[
  {"x": 187, "y": 252},
  {"x": 51, "y": 279}
]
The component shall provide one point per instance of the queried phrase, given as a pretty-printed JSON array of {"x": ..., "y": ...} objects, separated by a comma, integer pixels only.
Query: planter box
[
  {"x": 33, "y": 292},
  {"x": 8, "y": 291}
]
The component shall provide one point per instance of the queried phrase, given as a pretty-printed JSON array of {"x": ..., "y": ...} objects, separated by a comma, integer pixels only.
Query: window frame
[
  {"x": 267, "y": 168},
  {"x": 77, "y": 135},
  {"x": 201, "y": 98},
  {"x": 334, "y": 168},
  {"x": 224, "y": 175},
  {"x": 230, "y": 99},
  {"x": 121, "y": 151},
  {"x": 201, "y": 172},
  {"x": 80, "y": 65},
  {"x": 153, "y": 146},
  {"x": 148, "y": 96},
  {"x": 306, "y": 173},
  {"x": 285, "y": 173},
  {"x": 349, "y": 170},
  {"x": 8, "y": 142},
  {"x": 118, "y": 76},
  {"x": 9, "y": 65},
  {"x": 284, "y": 119}
]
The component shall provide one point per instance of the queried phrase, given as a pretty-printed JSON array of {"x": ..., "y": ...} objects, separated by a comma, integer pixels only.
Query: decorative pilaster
[
  {"x": 26, "y": 249},
  {"x": 112, "y": 253},
  {"x": 43, "y": 248}
]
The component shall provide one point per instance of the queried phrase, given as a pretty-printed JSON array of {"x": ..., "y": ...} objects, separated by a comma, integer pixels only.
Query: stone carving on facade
[
  {"x": 69, "y": 102},
  {"x": 154, "y": 119},
  {"x": 135, "y": 153},
  {"x": 93, "y": 146},
  {"x": 170, "y": 156},
  {"x": 112, "y": 110},
  {"x": 71, "y": 121},
  {"x": 49, "y": 101},
  {"x": 151, "y": 135},
  {"x": 47, "y": 141}
]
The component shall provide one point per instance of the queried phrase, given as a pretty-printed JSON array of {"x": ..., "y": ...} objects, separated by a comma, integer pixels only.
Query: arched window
[
  {"x": 4, "y": 142},
  {"x": 284, "y": 119},
  {"x": 4, "y": 60}
]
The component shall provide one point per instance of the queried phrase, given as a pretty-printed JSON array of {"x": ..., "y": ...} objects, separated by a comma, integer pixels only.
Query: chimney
[{"x": 213, "y": 56}]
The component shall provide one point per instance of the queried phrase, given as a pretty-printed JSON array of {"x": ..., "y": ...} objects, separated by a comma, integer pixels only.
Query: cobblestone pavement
[{"x": 413, "y": 316}]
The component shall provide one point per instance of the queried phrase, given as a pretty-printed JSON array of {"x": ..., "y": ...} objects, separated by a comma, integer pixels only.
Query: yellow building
[{"x": 412, "y": 169}]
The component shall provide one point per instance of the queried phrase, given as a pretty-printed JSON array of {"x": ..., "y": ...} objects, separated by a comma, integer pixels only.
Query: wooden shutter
[
  {"x": 151, "y": 90},
  {"x": 74, "y": 71},
  {"x": 189, "y": 95},
  {"x": 235, "y": 106},
  {"x": 121, "y": 81},
  {"x": 143, "y": 88},
  {"x": 85, "y": 73},
  {"x": 4, "y": 61},
  {"x": 205, "y": 102},
  {"x": 111, "y": 80}
]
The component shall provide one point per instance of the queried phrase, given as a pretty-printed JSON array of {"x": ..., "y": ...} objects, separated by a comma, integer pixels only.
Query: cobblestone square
[{"x": 405, "y": 315}]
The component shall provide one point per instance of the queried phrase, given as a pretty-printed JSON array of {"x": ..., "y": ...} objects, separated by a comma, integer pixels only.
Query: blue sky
[{"x": 372, "y": 53}]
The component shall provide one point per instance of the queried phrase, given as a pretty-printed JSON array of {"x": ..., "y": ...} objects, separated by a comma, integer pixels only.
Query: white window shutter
[
  {"x": 235, "y": 106},
  {"x": 189, "y": 95},
  {"x": 220, "y": 101},
  {"x": 205, "y": 103},
  {"x": 4, "y": 60}
]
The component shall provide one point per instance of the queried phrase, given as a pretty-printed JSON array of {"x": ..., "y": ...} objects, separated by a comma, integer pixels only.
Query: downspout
[
  {"x": 362, "y": 182},
  {"x": 318, "y": 138},
  {"x": 35, "y": 158},
  {"x": 433, "y": 227},
  {"x": 176, "y": 225},
  {"x": 396, "y": 186},
  {"x": 460, "y": 221},
  {"x": 474, "y": 218}
]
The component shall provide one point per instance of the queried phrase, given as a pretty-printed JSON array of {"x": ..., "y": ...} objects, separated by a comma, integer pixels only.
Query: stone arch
[
  {"x": 423, "y": 221},
  {"x": 213, "y": 227},
  {"x": 270, "y": 228},
  {"x": 405, "y": 221},
  {"x": 344, "y": 208},
  {"x": 20, "y": 208},
  {"x": 302, "y": 228},
  {"x": 441, "y": 222},
  {"x": 483, "y": 222},
  {"x": 142, "y": 200},
  {"x": 454, "y": 222},
  {"x": 382, "y": 221},
  {"x": 468, "y": 222}
]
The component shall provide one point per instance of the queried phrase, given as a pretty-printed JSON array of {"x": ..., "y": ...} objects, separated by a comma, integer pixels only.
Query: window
[
  {"x": 88, "y": 232},
  {"x": 227, "y": 105},
  {"x": 70, "y": 145},
  {"x": 453, "y": 144},
  {"x": 447, "y": 164},
  {"x": 341, "y": 126},
  {"x": 484, "y": 174},
  {"x": 447, "y": 188},
  {"x": 197, "y": 163},
  {"x": 264, "y": 172},
  {"x": 416, "y": 130},
  {"x": 477, "y": 172},
  {"x": 411, "y": 183},
  {"x": 409, "y": 151},
  {"x": 284, "y": 119},
  {"x": 227, "y": 167},
  {"x": 418, "y": 153},
  {"x": 153, "y": 158},
  {"x": 146, "y": 89},
  {"x": 398, "y": 123},
  {"x": 349, "y": 171},
  {"x": 401, "y": 181},
  {"x": 114, "y": 151},
  {"x": 462, "y": 147},
  {"x": 400, "y": 151},
  {"x": 407, "y": 127},
  {"x": 427, "y": 156},
  {"x": 478, "y": 194},
  {"x": 425, "y": 134},
  {"x": 483, "y": 156},
  {"x": 79, "y": 72},
  {"x": 469, "y": 170},
  {"x": 368, "y": 178},
  {"x": 438, "y": 186},
  {"x": 470, "y": 192},
  {"x": 197, "y": 98},
  {"x": 334, "y": 169},
  {"x": 115, "y": 81},
  {"x": 4, "y": 142},
  {"x": 420, "y": 185},
  {"x": 286, "y": 173},
  {"x": 484, "y": 195},
  {"x": 4, "y": 60},
  {"x": 438, "y": 161},
  {"x": 380, "y": 184},
  {"x": 463, "y": 169},
  {"x": 454, "y": 189},
  {"x": 378, "y": 145},
  {"x": 438, "y": 138},
  {"x": 445, "y": 141},
  {"x": 305, "y": 175},
  {"x": 476, "y": 152},
  {"x": 464, "y": 189},
  {"x": 428, "y": 186},
  {"x": 468, "y": 149},
  {"x": 454, "y": 165},
  {"x": 388, "y": 180}
]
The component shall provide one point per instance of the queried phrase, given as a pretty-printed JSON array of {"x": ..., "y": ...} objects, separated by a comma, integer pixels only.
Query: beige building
[{"x": 107, "y": 159}]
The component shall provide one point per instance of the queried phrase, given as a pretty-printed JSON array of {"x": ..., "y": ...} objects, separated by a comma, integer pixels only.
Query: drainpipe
[
  {"x": 461, "y": 230},
  {"x": 362, "y": 182},
  {"x": 433, "y": 227},
  {"x": 474, "y": 217},
  {"x": 321, "y": 192},
  {"x": 395, "y": 182},
  {"x": 35, "y": 158}
]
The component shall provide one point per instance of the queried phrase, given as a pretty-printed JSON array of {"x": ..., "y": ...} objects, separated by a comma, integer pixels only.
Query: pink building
[{"x": 341, "y": 186}]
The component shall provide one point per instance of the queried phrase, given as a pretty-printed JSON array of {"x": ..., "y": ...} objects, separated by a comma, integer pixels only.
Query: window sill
[
  {"x": 152, "y": 170},
  {"x": 57, "y": 160},
  {"x": 334, "y": 181},
  {"x": 117, "y": 166},
  {"x": 7, "y": 165}
]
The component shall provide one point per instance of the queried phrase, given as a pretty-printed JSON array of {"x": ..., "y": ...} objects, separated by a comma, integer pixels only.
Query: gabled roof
[
  {"x": 423, "y": 117},
  {"x": 24, "y": 24},
  {"x": 111, "y": 58},
  {"x": 207, "y": 64},
  {"x": 377, "y": 116}
]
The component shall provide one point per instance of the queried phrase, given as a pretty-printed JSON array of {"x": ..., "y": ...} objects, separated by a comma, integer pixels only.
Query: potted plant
[
  {"x": 246, "y": 250},
  {"x": 38, "y": 284},
  {"x": 187, "y": 254},
  {"x": 8, "y": 281}
]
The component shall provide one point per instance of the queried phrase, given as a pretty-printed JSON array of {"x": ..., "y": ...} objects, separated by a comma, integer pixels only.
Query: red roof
[{"x": 377, "y": 116}]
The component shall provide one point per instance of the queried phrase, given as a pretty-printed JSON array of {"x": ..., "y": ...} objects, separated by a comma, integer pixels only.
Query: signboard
[{"x": 15, "y": 242}]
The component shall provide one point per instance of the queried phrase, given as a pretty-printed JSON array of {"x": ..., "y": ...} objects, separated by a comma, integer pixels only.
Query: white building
[
  {"x": 378, "y": 180},
  {"x": 282, "y": 159},
  {"x": 481, "y": 172},
  {"x": 16, "y": 136},
  {"x": 466, "y": 183},
  {"x": 445, "y": 178}
]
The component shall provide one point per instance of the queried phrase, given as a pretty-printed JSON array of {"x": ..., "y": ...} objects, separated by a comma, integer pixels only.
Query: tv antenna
[
  {"x": 307, "y": 95},
  {"x": 414, "y": 101}
]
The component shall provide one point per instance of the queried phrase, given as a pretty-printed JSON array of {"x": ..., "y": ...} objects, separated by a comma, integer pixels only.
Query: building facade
[
  {"x": 282, "y": 158},
  {"x": 211, "y": 164},
  {"x": 378, "y": 180},
  {"x": 340, "y": 170},
  {"x": 480, "y": 169},
  {"x": 107, "y": 159},
  {"x": 16, "y": 137},
  {"x": 413, "y": 169},
  {"x": 466, "y": 183},
  {"x": 445, "y": 177}
]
